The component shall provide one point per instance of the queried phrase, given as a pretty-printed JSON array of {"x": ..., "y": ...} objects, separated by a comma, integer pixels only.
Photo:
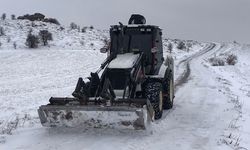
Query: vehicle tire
[
  {"x": 169, "y": 97},
  {"x": 153, "y": 92}
]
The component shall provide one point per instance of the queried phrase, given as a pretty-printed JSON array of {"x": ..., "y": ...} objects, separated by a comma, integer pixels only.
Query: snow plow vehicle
[{"x": 132, "y": 88}]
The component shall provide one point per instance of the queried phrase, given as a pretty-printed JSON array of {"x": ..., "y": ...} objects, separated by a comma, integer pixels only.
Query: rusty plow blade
[{"x": 95, "y": 116}]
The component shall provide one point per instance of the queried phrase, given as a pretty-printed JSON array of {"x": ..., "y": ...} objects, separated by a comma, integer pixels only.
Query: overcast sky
[{"x": 203, "y": 20}]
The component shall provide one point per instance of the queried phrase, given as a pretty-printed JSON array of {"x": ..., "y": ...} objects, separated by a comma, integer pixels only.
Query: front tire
[
  {"x": 153, "y": 93},
  {"x": 169, "y": 98}
]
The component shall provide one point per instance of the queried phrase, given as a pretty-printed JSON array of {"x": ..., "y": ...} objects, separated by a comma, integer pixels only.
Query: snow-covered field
[{"x": 211, "y": 109}]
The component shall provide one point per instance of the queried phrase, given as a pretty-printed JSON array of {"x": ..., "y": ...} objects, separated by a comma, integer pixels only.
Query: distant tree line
[
  {"x": 34, "y": 17},
  {"x": 38, "y": 17}
]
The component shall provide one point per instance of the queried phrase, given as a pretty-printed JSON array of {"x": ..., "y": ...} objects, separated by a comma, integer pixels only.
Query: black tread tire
[
  {"x": 153, "y": 92},
  {"x": 169, "y": 98}
]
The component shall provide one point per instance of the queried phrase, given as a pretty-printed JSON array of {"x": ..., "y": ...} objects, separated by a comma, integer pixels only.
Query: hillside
[{"x": 16, "y": 31}]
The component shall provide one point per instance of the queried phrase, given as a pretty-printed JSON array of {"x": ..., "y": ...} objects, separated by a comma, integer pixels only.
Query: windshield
[{"x": 131, "y": 43}]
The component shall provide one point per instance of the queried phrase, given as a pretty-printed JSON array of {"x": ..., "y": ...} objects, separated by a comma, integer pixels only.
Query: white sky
[{"x": 203, "y": 20}]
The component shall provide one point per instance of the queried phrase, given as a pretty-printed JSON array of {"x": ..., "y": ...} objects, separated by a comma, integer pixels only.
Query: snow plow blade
[{"x": 96, "y": 116}]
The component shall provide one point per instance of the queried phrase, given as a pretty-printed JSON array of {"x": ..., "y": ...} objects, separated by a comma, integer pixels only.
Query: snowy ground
[
  {"x": 211, "y": 109},
  {"x": 234, "y": 83}
]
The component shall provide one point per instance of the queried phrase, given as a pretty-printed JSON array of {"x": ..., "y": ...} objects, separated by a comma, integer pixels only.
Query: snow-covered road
[
  {"x": 198, "y": 120},
  {"x": 199, "y": 117}
]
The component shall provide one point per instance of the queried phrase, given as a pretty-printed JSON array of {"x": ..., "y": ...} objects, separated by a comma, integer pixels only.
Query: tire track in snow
[{"x": 183, "y": 78}]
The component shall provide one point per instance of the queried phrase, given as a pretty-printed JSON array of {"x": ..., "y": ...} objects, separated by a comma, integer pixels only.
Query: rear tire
[
  {"x": 169, "y": 98},
  {"x": 153, "y": 92}
]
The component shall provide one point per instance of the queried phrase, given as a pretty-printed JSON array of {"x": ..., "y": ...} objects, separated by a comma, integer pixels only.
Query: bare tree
[
  {"x": 45, "y": 36},
  {"x": 32, "y": 41}
]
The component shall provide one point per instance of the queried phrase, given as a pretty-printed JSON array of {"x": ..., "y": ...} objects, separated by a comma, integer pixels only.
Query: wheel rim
[
  {"x": 171, "y": 91},
  {"x": 161, "y": 101}
]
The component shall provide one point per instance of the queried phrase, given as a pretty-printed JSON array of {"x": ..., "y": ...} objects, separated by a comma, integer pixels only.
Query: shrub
[
  {"x": 45, "y": 36},
  {"x": 91, "y": 27},
  {"x": 3, "y": 16},
  {"x": 51, "y": 20},
  {"x": 181, "y": 45},
  {"x": 189, "y": 45},
  {"x": 10, "y": 126},
  {"x": 32, "y": 41},
  {"x": 2, "y": 31},
  {"x": 235, "y": 42},
  {"x": 20, "y": 17},
  {"x": 82, "y": 43},
  {"x": 61, "y": 28},
  {"x": 14, "y": 45},
  {"x": 13, "y": 17},
  {"x": 30, "y": 30},
  {"x": 84, "y": 29},
  {"x": 8, "y": 39},
  {"x": 73, "y": 26},
  {"x": 231, "y": 59},
  {"x": 38, "y": 16},
  {"x": 170, "y": 47},
  {"x": 215, "y": 61},
  {"x": 33, "y": 24},
  {"x": 24, "y": 17},
  {"x": 34, "y": 17},
  {"x": 106, "y": 41},
  {"x": 223, "y": 59}
]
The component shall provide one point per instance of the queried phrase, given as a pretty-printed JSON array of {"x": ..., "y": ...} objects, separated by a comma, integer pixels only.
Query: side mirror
[{"x": 103, "y": 50}]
